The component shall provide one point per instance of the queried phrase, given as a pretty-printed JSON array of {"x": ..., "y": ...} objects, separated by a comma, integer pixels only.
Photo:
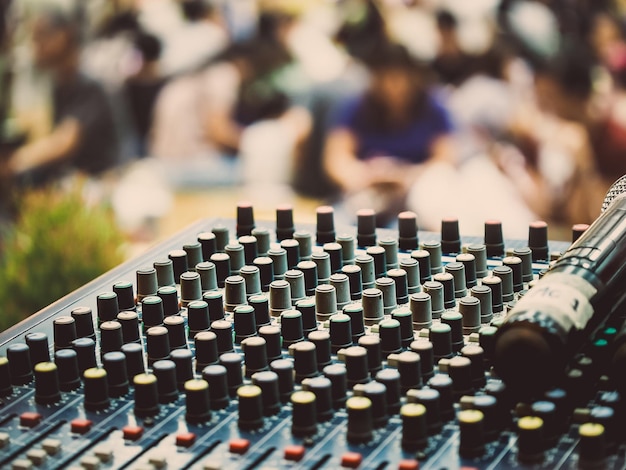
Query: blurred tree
[{"x": 57, "y": 244}]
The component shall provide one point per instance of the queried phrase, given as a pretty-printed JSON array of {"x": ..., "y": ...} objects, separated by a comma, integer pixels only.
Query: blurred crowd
[{"x": 506, "y": 109}]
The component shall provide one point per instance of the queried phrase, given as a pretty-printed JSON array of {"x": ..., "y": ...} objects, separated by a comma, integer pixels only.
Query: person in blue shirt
[{"x": 382, "y": 139}]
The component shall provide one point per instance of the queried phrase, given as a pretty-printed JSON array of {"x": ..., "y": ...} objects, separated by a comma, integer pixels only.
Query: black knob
[
  {"x": 336, "y": 373},
  {"x": 407, "y": 231},
  {"x": 67, "y": 366},
  {"x": 161, "y": 275},
  {"x": 198, "y": 317},
  {"x": 152, "y": 313},
  {"x": 472, "y": 435},
  {"x": 96, "y": 389},
  {"x": 64, "y": 331},
  {"x": 304, "y": 414},
  {"x": 165, "y": 372},
  {"x": 115, "y": 365},
  {"x": 291, "y": 327},
  {"x": 244, "y": 322},
  {"x": 206, "y": 349},
  {"x": 130, "y": 327},
  {"x": 340, "y": 332},
  {"x": 184, "y": 368},
  {"x": 110, "y": 336},
  {"x": 175, "y": 326},
  {"x": 190, "y": 287},
  {"x": 134, "y": 359},
  {"x": 234, "y": 375},
  {"x": 157, "y": 344},
  {"x": 255, "y": 355},
  {"x": 360, "y": 419},
  {"x": 108, "y": 307},
  {"x": 267, "y": 381},
  {"x": 5, "y": 378},
  {"x": 146, "y": 395},
  {"x": 414, "y": 429},
  {"x": 83, "y": 317},
  {"x": 355, "y": 358},
  {"x": 20, "y": 367},
  {"x": 322, "y": 388},
  {"x": 530, "y": 444},
  {"x": 305, "y": 360},
  {"x": 125, "y": 295},
  {"x": 147, "y": 283},
  {"x": 391, "y": 379},
  {"x": 194, "y": 254},
  {"x": 38, "y": 347},
  {"x": 47, "y": 389},
  {"x": 197, "y": 403},
  {"x": 215, "y": 375},
  {"x": 250, "y": 407},
  {"x": 86, "y": 353},
  {"x": 494, "y": 239},
  {"x": 284, "y": 369},
  {"x": 377, "y": 393},
  {"x": 179, "y": 263}
]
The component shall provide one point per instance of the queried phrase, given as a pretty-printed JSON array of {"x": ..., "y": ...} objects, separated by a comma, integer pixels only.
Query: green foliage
[{"x": 57, "y": 245}]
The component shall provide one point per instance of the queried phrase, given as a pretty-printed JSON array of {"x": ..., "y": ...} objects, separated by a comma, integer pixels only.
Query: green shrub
[{"x": 57, "y": 245}]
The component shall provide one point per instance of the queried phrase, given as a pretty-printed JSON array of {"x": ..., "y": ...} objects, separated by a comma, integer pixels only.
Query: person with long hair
[{"x": 383, "y": 138}]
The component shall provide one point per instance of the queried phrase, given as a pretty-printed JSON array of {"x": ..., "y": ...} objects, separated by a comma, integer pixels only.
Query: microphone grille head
[{"x": 616, "y": 191}]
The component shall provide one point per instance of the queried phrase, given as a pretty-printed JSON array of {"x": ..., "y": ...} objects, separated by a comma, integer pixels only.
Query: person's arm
[
  {"x": 222, "y": 130},
  {"x": 441, "y": 152},
  {"x": 219, "y": 95},
  {"x": 341, "y": 162},
  {"x": 585, "y": 191},
  {"x": 526, "y": 180},
  {"x": 55, "y": 147}
]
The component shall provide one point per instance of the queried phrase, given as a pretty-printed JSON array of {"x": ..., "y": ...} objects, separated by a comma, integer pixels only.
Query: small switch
[
  {"x": 294, "y": 453},
  {"x": 132, "y": 433},
  {"x": 185, "y": 439},
  {"x": 21, "y": 464},
  {"x": 104, "y": 453},
  {"x": 37, "y": 456},
  {"x": 351, "y": 459},
  {"x": 51, "y": 446},
  {"x": 158, "y": 461},
  {"x": 5, "y": 439},
  {"x": 81, "y": 426},
  {"x": 408, "y": 465},
  {"x": 30, "y": 419},
  {"x": 90, "y": 462},
  {"x": 239, "y": 446}
]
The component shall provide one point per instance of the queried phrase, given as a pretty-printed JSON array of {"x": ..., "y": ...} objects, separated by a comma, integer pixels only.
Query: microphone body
[{"x": 573, "y": 299}]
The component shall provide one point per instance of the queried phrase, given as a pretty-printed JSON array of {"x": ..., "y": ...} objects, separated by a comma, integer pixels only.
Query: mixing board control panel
[{"x": 240, "y": 344}]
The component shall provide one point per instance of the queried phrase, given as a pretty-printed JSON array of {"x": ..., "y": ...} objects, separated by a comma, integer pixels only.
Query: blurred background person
[
  {"x": 558, "y": 136},
  {"x": 142, "y": 88},
  {"x": 451, "y": 64},
  {"x": 200, "y": 37},
  {"x": 83, "y": 137},
  {"x": 206, "y": 122},
  {"x": 383, "y": 138}
]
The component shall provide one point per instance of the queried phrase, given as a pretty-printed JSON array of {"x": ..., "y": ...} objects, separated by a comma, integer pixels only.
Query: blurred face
[
  {"x": 394, "y": 86},
  {"x": 50, "y": 44},
  {"x": 550, "y": 97},
  {"x": 605, "y": 36}
]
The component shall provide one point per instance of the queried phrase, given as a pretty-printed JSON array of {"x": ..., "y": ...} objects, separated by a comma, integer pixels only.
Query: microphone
[{"x": 577, "y": 295}]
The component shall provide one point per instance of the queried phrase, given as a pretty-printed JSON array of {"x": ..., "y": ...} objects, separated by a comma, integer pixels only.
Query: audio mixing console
[{"x": 248, "y": 345}]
